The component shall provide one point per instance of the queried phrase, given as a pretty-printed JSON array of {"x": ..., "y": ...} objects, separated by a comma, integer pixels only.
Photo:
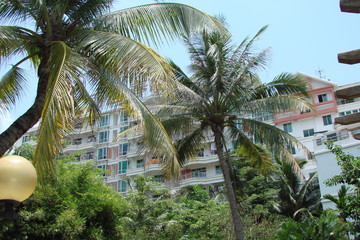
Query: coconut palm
[
  {"x": 226, "y": 92},
  {"x": 297, "y": 195},
  {"x": 85, "y": 57}
]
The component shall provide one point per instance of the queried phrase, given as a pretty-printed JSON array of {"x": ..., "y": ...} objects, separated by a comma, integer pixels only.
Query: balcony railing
[{"x": 331, "y": 136}]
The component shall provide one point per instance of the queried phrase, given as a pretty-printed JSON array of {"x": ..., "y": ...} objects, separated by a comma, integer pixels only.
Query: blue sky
[{"x": 303, "y": 35}]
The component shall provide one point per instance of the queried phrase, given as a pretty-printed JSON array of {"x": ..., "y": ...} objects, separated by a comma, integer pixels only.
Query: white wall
[{"x": 327, "y": 167}]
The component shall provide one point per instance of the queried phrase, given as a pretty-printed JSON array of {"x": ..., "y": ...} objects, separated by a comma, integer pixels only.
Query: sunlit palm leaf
[
  {"x": 275, "y": 105},
  {"x": 155, "y": 23},
  {"x": 59, "y": 111},
  {"x": 188, "y": 146},
  {"x": 11, "y": 88},
  {"x": 125, "y": 56},
  {"x": 258, "y": 156},
  {"x": 154, "y": 134}
]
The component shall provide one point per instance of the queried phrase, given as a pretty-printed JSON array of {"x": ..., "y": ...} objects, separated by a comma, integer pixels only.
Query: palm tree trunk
[
  {"x": 30, "y": 117},
  {"x": 238, "y": 228}
]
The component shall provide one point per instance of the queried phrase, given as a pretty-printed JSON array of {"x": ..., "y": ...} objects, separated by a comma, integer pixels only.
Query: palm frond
[
  {"x": 287, "y": 158},
  {"x": 245, "y": 147},
  {"x": 276, "y": 104},
  {"x": 305, "y": 188},
  {"x": 271, "y": 136},
  {"x": 58, "y": 111},
  {"x": 188, "y": 146},
  {"x": 287, "y": 84},
  {"x": 243, "y": 77},
  {"x": 155, "y": 136},
  {"x": 15, "y": 10},
  {"x": 11, "y": 87},
  {"x": 126, "y": 57},
  {"x": 177, "y": 125},
  {"x": 84, "y": 12},
  {"x": 155, "y": 23},
  {"x": 16, "y": 40}
]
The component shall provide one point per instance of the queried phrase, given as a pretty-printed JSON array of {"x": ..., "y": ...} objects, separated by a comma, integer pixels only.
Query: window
[
  {"x": 287, "y": 127},
  {"x": 123, "y": 166},
  {"x": 140, "y": 163},
  {"x": 26, "y": 138},
  {"x": 291, "y": 149},
  {"x": 159, "y": 178},
  {"x": 309, "y": 132},
  {"x": 87, "y": 156},
  {"x": 123, "y": 117},
  {"x": 102, "y": 153},
  {"x": 218, "y": 170},
  {"x": 199, "y": 172},
  {"x": 345, "y": 101},
  {"x": 306, "y": 110},
  {"x": 123, "y": 149},
  {"x": 122, "y": 185},
  {"x": 200, "y": 152},
  {"x": 91, "y": 139},
  {"x": 104, "y": 121},
  {"x": 322, "y": 98},
  {"x": 77, "y": 141},
  {"x": 123, "y": 129},
  {"x": 264, "y": 116},
  {"x": 103, "y": 167},
  {"x": 332, "y": 137},
  {"x": 103, "y": 136},
  {"x": 327, "y": 120}
]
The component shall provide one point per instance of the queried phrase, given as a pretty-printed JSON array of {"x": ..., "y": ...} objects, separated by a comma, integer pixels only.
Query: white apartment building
[{"x": 124, "y": 159}]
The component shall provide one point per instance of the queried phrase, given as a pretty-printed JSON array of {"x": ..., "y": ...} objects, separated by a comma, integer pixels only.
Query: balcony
[
  {"x": 135, "y": 171},
  {"x": 76, "y": 146},
  {"x": 331, "y": 136},
  {"x": 348, "y": 119},
  {"x": 205, "y": 180},
  {"x": 203, "y": 160},
  {"x": 152, "y": 165}
]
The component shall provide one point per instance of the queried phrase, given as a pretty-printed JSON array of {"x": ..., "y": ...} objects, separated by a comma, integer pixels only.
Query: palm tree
[
  {"x": 226, "y": 92},
  {"x": 340, "y": 201},
  {"x": 85, "y": 57},
  {"x": 298, "y": 195}
]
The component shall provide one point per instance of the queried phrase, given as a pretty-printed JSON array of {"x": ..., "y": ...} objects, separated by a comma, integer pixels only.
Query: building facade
[{"x": 124, "y": 157}]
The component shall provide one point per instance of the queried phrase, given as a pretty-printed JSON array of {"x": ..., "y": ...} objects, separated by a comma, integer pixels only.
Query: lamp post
[{"x": 17, "y": 182}]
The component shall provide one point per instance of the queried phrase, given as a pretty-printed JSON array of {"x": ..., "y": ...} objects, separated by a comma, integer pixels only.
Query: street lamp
[{"x": 17, "y": 182}]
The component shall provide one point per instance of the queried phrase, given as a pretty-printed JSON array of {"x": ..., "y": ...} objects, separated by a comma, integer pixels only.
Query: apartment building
[{"x": 125, "y": 158}]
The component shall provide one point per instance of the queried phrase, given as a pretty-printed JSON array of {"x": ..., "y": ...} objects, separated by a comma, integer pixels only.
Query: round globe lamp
[{"x": 17, "y": 182}]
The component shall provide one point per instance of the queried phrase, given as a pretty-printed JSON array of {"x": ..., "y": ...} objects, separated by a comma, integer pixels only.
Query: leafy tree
[
  {"x": 341, "y": 201},
  {"x": 77, "y": 46},
  {"x": 326, "y": 227},
  {"x": 298, "y": 195},
  {"x": 80, "y": 206},
  {"x": 257, "y": 193},
  {"x": 348, "y": 201},
  {"x": 151, "y": 215},
  {"x": 226, "y": 92}
]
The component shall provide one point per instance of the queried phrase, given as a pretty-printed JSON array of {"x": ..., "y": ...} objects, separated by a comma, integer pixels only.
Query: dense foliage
[
  {"x": 348, "y": 199},
  {"x": 81, "y": 206}
]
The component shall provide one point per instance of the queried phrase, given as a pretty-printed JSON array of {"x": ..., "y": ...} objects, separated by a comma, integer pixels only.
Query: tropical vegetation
[
  {"x": 227, "y": 95},
  {"x": 298, "y": 196},
  {"x": 348, "y": 199},
  {"x": 85, "y": 57},
  {"x": 81, "y": 206}
]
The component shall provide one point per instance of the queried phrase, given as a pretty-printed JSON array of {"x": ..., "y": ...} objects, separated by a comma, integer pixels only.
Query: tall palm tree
[
  {"x": 85, "y": 57},
  {"x": 226, "y": 92}
]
